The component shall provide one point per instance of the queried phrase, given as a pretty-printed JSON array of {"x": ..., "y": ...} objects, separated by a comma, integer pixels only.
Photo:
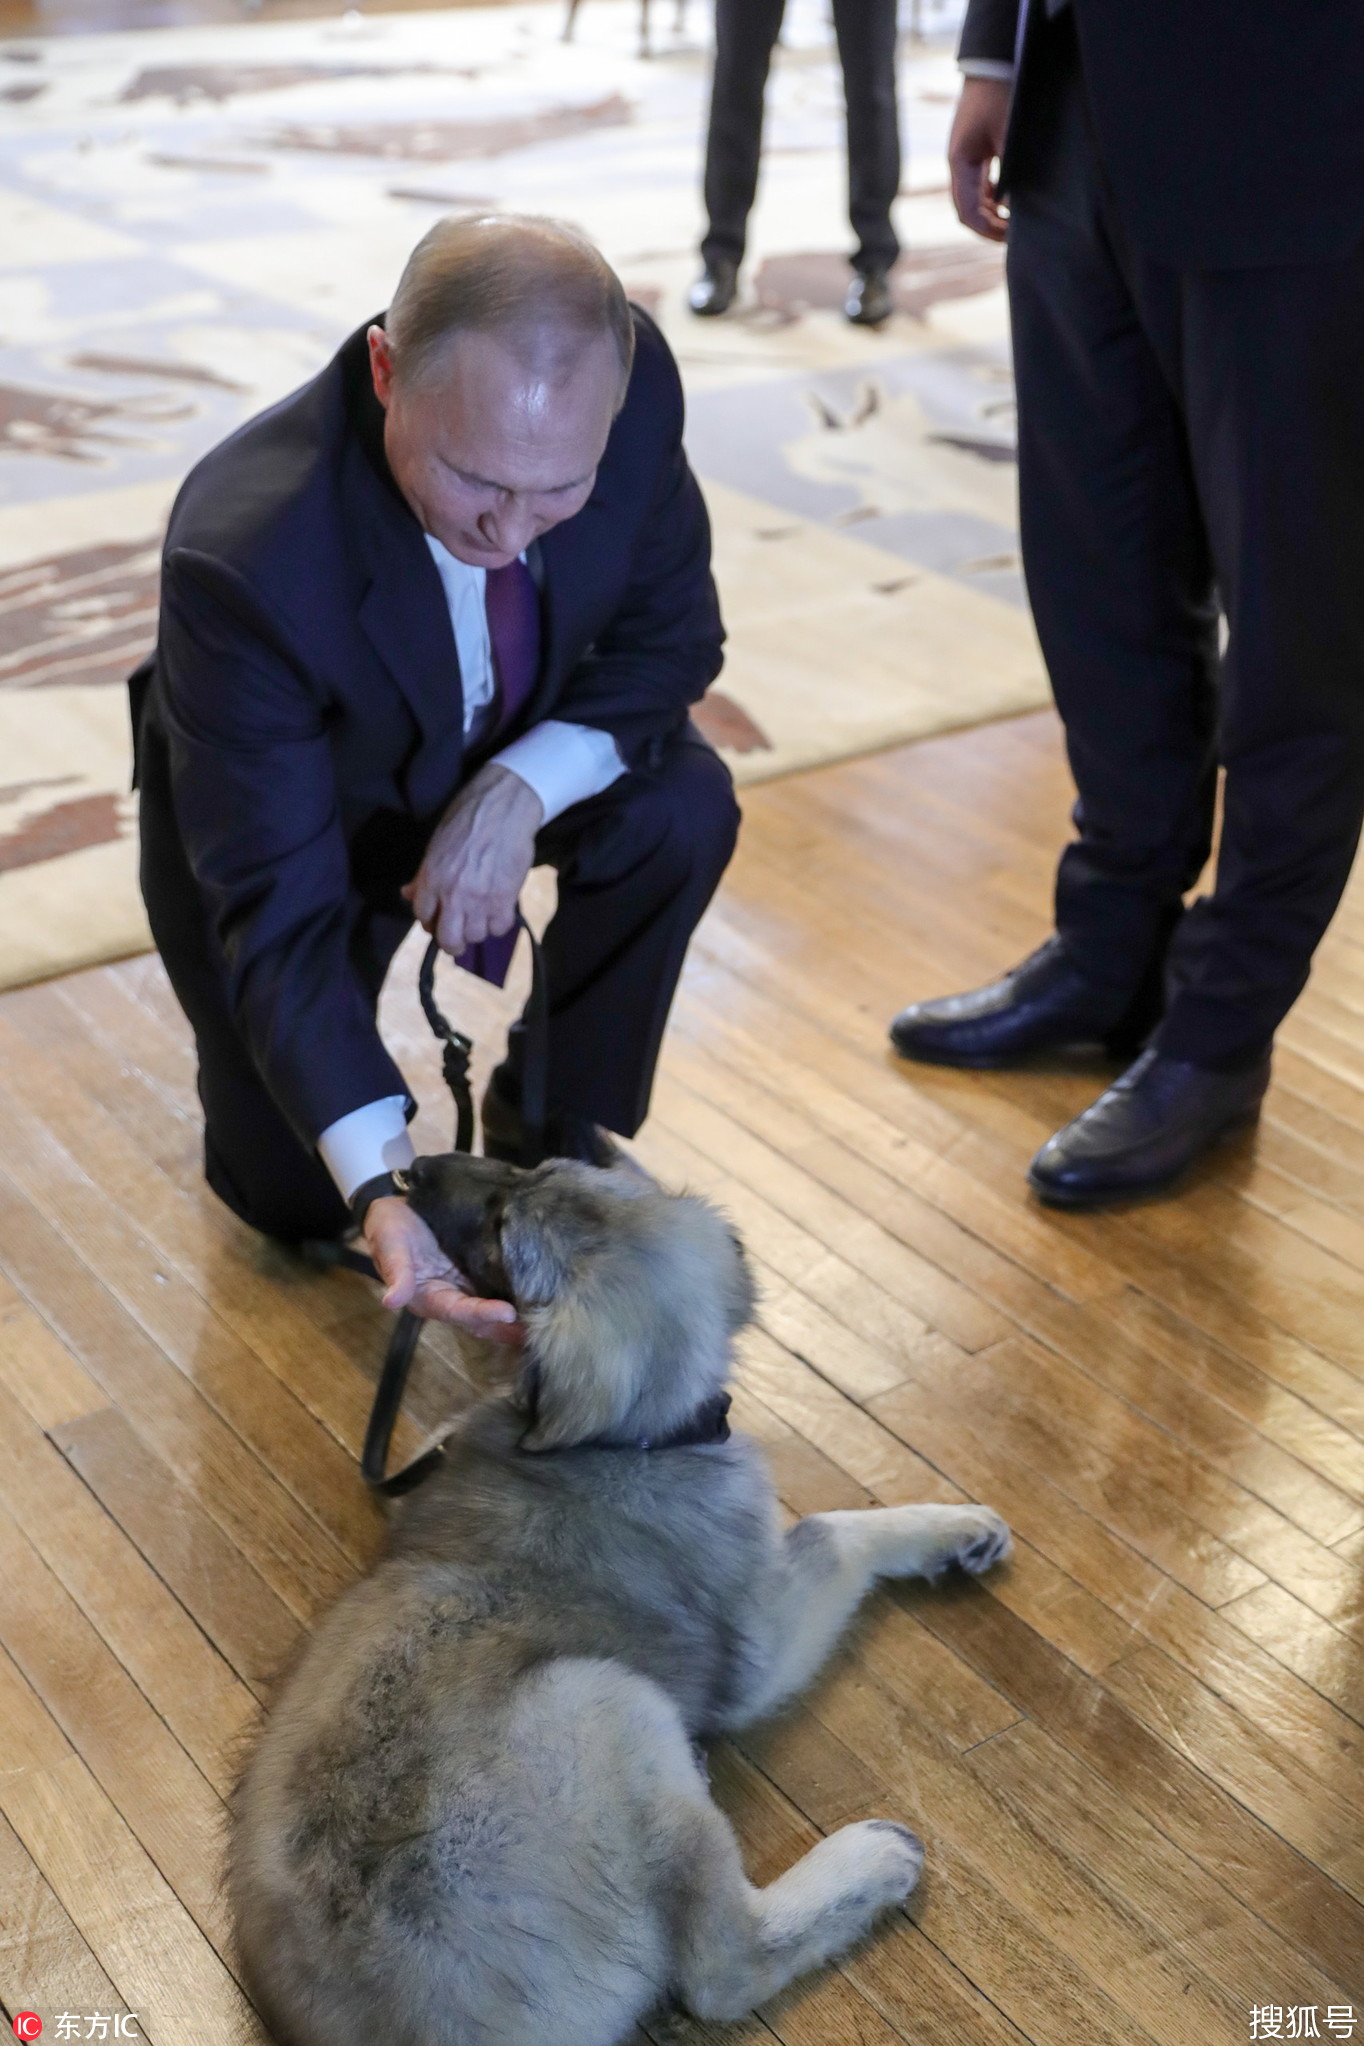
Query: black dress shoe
[
  {"x": 1040, "y": 1006},
  {"x": 713, "y": 291},
  {"x": 567, "y": 1135},
  {"x": 869, "y": 302},
  {"x": 1146, "y": 1130}
]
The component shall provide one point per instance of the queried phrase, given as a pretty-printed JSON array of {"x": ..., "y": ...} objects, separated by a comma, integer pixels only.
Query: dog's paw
[
  {"x": 885, "y": 1859},
  {"x": 976, "y": 1541}
]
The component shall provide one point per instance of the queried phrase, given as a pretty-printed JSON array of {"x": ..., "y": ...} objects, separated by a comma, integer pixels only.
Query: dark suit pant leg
[
  {"x": 866, "y": 32},
  {"x": 1271, "y": 361},
  {"x": 1118, "y": 571},
  {"x": 637, "y": 866},
  {"x": 253, "y": 1160},
  {"x": 745, "y": 34}
]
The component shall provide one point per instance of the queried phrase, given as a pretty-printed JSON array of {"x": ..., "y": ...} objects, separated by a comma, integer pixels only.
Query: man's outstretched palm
[{"x": 418, "y": 1275}]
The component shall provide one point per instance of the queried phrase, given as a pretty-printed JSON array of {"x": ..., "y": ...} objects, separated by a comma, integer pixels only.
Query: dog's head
[{"x": 631, "y": 1296}]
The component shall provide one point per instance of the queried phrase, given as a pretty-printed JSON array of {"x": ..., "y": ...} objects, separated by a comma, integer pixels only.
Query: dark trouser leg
[
  {"x": 1271, "y": 366},
  {"x": 866, "y": 47},
  {"x": 253, "y": 1160},
  {"x": 1117, "y": 563},
  {"x": 637, "y": 866},
  {"x": 745, "y": 33}
]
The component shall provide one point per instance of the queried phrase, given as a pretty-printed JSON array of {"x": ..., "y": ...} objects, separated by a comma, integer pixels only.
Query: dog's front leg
[{"x": 831, "y": 1560}]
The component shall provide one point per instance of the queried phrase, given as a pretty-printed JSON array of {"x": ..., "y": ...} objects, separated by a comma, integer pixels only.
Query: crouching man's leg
[
  {"x": 637, "y": 866},
  {"x": 253, "y": 1159}
]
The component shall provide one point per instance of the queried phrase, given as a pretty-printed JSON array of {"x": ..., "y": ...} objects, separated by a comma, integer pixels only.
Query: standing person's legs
[
  {"x": 745, "y": 33},
  {"x": 1117, "y": 563},
  {"x": 866, "y": 33},
  {"x": 637, "y": 866},
  {"x": 1271, "y": 366}
]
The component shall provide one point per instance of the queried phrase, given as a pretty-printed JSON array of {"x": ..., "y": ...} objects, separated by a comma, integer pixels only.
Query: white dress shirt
[{"x": 563, "y": 763}]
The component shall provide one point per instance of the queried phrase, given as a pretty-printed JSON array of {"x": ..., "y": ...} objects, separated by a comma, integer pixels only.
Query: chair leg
[
  {"x": 572, "y": 16},
  {"x": 645, "y": 50}
]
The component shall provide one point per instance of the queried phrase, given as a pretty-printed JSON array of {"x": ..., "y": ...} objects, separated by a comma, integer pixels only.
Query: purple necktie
[{"x": 512, "y": 603}]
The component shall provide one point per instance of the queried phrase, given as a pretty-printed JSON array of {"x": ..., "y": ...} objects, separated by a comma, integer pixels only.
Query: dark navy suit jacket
[
  {"x": 303, "y": 702},
  {"x": 1232, "y": 131}
]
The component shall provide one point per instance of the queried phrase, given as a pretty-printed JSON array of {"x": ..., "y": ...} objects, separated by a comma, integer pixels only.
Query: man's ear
[{"x": 381, "y": 364}]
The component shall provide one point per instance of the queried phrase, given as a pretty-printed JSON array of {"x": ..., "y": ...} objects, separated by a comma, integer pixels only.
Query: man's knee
[
  {"x": 701, "y": 809},
  {"x": 668, "y": 831}
]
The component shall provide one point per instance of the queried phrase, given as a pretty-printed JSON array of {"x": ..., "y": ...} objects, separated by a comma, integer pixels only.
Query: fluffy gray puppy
[{"x": 476, "y": 1816}]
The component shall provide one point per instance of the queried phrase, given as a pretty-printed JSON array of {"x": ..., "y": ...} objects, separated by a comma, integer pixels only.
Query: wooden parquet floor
[{"x": 1135, "y": 1755}]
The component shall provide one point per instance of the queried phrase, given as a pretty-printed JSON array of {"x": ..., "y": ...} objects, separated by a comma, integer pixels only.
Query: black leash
[{"x": 456, "y": 1049}]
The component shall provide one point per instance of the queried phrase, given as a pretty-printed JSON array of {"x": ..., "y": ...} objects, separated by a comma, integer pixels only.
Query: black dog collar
[{"x": 708, "y": 1423}]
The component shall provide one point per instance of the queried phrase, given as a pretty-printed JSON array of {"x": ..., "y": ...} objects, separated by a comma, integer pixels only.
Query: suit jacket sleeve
[
  {"x": 663, "y": 646},
  {"x": 989, "y": 30},
  {"x": 256, "y": 802}
]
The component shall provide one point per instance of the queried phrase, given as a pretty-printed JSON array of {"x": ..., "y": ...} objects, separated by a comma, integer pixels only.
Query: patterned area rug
[{"x": 191, "y": 219}]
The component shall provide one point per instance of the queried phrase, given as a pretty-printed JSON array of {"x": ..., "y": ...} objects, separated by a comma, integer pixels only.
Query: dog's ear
[{"x": 630, "y": 1329}]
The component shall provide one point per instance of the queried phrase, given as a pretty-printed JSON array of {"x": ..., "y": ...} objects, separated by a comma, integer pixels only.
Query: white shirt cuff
[
  {"x": 985, "y": 67},
  {"x": 564, "y": 764},
  {"x": 368, "y": 1141}
]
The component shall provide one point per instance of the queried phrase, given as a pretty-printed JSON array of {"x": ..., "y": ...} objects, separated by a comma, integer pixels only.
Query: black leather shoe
[
  {"x": 869, "y": 302},
  {"x": 713, "y": 291},
  {"x": 1040, "y": 1006},
  {"x": 1147, "y": 1129},
  {"x": 567, "y": 1135}
]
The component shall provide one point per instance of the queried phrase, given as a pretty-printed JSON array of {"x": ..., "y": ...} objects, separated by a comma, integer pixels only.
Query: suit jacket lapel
[
  {"x": 404, "y": 616},
  {"x": 569, "y": 565}
]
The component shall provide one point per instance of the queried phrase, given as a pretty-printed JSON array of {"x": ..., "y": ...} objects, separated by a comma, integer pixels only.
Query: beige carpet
[{"x": 189, "y": 221}]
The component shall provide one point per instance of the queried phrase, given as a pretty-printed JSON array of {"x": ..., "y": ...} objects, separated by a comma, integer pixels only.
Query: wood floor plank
[
  {"x": 1323, "y": 1655},
  {"x": 223, "y": 1263},
  {"x": 1253, "y": 1768},
  {"x": 288, "y": 1547},
  {"x": 247, "y": 1622},
  {"x": 868, "y": 1247},
  {"x": 127, "y": 1605},
  {"x": 1186, "y": 1903},
  {"x": 278, "y": 1426},
  {"x": 45, "y": 1965},
  {"x": 38, "y": 1370},
  {"x": 160, "y": 1964},
  {"x": 1158, "y": 1781},
  {"x": 166, "y": 1800},
  {"x": 1154, "y": 1608}
]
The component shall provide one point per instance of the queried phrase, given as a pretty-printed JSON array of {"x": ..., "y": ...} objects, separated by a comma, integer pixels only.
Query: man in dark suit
[
  {"x": 746, "y": 33},
  {"x": 1185, "y": 184},
  {"x": 433, "y": 619}
]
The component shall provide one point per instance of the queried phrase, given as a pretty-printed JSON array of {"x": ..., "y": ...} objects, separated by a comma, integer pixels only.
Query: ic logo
[{"x": 27, "y": 2024}]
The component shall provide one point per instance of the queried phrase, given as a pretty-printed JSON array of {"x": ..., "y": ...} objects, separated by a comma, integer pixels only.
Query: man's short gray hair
[{"x": 537, "y": 282}]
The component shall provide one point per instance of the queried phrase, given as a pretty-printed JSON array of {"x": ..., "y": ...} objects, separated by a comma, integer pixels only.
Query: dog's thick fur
[{"x": 476, "y": 1816}]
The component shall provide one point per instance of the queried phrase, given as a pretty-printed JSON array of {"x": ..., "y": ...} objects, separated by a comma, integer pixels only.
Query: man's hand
[
  {"x": 977, "y": 138},
  {"x": 417, "y": 1274},
  {"x": 467, "y": 887}
]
